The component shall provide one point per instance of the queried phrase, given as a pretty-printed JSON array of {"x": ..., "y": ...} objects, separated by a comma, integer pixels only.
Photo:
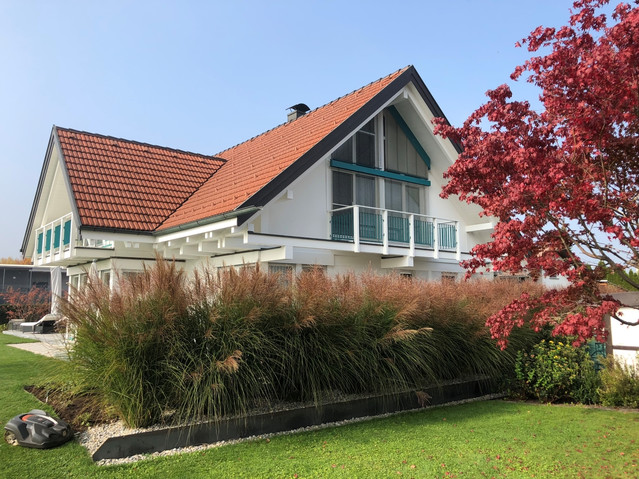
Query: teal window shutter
[
  {"x": 47, "y": 241},
  {"x": 40, "y": 237},
  {"x": 56, "y": 236},
  {"x": 66, "y": 238}
]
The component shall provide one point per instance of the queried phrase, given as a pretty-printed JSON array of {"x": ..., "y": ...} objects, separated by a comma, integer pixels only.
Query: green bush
[
  {"x": 556, "y": 371},
  {"x": 228, "y": 341},
  {"x": 619, "y": 384}
]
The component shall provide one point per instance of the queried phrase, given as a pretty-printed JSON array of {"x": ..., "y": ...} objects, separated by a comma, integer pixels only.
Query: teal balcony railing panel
[
  {"x": 47, "y": 241},
  {"x": 376, "y": 225},
  {"x": 370, "y": 226},
  {"x": 40, "y": 238},
  {"x": 424, "y": 233},
  {"x": 447, "y": 236},
  {"x": 398, "y": 229},
  {"x": 342, "y": 225},
  {"x": 56, "y": 236},
  {"x": 66, "y": 237}
]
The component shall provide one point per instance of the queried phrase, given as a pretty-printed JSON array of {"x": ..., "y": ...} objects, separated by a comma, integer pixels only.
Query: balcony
[
  {"x": 363, "y": 224},
  {"x": 56, "y": 242},
  {"x": 53, "y": 240}
]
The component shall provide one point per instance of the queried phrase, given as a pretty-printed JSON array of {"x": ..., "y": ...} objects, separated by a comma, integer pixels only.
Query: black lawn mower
[{"x": 37, "y": 429}]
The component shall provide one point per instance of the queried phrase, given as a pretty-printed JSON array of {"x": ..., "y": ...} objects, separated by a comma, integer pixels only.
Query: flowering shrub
[{"x": 555, "y": 371}]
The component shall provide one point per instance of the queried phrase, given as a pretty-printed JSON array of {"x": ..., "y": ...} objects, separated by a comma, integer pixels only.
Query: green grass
[{"x": 491, "y": 439}]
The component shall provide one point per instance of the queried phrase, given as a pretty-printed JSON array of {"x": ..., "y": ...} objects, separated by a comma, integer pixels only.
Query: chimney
[{"x": 296, "y": 111}]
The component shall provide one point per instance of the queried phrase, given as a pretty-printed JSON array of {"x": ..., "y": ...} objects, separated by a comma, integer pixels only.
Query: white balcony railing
[
  {"x": 364, "y": 224},
  {"x": 54, "y": 239},
  {"x": 57, "y": 241}
]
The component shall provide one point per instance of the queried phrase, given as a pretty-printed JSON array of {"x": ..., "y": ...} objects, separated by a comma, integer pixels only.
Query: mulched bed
[{"x": 81, "y": 412}]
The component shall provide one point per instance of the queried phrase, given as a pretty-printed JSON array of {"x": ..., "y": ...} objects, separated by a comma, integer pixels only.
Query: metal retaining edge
[{"x": 254, "y": 425}]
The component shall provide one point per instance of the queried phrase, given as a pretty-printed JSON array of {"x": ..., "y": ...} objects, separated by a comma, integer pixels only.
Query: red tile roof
[
  {"x": 254, "y": 163},
  {"x": 129, "y": 185}
]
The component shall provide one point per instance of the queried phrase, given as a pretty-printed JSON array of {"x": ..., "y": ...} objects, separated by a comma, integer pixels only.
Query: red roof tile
[
  {"x": 129, "y": 185},
  {"x": 253, "y": 164}
]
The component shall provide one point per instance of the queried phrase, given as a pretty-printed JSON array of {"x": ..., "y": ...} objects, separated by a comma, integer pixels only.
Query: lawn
[{"x": 485, "y": 439}]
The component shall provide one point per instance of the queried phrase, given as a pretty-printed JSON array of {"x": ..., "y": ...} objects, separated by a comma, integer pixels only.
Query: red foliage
[
  {"x": 30, "y": 306},
  {"x": 562, "y": 182}
]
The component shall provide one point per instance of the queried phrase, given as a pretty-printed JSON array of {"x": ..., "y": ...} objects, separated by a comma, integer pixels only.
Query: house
[{"x": 349, "y": 186}]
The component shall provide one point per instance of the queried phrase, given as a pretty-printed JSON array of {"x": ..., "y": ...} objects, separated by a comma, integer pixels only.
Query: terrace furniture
[{"x": 46, "y": 324}]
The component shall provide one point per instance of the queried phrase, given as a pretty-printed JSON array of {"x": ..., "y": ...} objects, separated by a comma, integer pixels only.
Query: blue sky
[{"x": 205, "y": 75}]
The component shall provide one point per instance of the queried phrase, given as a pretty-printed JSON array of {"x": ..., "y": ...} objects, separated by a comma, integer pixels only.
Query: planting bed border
[{"x": 274, "y": 422}]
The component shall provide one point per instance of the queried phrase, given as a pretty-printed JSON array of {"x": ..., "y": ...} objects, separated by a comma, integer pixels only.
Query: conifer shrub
[{"x": 227, "y": 341}]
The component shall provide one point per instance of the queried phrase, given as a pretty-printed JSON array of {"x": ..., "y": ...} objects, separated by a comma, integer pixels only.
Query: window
[
  {"x": 105, "y": 276},
  {"x": 400, "y": 155},
  {"x": 412, "y": 195},
  {"x": 284, "y": 272},
  {"x": 360, "y": 146},
  {"x": 352, "y": 189},
  {"x": 342, "y": 189},
  {"x": 309, "y": 268},
  {"x": 366, "y": 191},
  {"x": 360, "y": 179},
  {"x": 448, "y": 276},
  {"x": 402, "y": 197},
  {"x": 365, "y": 145}
]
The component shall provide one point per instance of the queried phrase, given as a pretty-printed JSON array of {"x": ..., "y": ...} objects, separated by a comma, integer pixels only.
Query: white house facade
[{"x": 350, "y": 186}]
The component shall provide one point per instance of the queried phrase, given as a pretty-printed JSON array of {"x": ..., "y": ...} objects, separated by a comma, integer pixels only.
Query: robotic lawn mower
[{"x": 37, "y": 429}]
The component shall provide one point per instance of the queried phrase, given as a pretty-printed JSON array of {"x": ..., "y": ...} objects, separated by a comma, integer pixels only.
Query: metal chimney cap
[{"x": 301, "y": 107}]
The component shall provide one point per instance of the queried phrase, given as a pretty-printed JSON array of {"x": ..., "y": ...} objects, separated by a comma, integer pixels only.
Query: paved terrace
[{"x": 49, "y": 344}]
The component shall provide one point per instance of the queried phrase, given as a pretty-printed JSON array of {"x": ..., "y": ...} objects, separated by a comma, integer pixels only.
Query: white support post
[
  {"x": 411, "y": 232},
  {"x": 435, "y": 239},
  {"x": 457, "y": 242},
  {"x": 356, "y": 229},
  {"x": 385, "y": 232}
]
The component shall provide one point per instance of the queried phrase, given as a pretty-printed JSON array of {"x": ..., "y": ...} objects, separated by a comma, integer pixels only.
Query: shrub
[
  {"x": 231, "y": 340},
  {"x": 556, "y": 371},
  {"x": 619, "y": 384},
  {"x": 30, "y": 305}
]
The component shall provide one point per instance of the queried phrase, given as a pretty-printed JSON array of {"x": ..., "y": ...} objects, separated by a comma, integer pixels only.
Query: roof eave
[{"x": 236, "y": 213}]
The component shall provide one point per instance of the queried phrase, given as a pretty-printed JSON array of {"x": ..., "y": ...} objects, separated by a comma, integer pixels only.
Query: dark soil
[{"x": 80, "y": 411}]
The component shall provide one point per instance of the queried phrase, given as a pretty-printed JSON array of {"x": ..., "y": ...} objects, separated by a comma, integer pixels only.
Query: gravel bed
[{"x": 94, "y": 437}]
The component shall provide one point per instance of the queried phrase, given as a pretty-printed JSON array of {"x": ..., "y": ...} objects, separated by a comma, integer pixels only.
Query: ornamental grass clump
[
  {"x": 227, "y": 341},
  {"x": 620, "y": 383}
]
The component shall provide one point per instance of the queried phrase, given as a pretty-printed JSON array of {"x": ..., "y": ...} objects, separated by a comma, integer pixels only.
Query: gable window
[
  {"x": 359, "y": 148},
  {"x": 400, "y": 155}
]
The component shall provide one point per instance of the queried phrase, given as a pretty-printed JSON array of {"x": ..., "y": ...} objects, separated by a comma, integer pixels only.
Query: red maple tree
[{"x": 562, "y": 182}]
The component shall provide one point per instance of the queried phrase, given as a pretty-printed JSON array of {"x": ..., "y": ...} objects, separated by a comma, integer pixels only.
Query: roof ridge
[
  {"x": 219, "y": 155},
  {"x": 141, "y": 143}
]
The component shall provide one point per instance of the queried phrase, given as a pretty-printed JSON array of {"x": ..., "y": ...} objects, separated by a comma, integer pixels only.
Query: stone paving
[{"x": 49, "y": 344}]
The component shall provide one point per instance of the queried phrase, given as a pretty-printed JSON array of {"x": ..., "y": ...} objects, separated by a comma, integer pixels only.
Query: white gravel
[{"x": 94, "y": 437}]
